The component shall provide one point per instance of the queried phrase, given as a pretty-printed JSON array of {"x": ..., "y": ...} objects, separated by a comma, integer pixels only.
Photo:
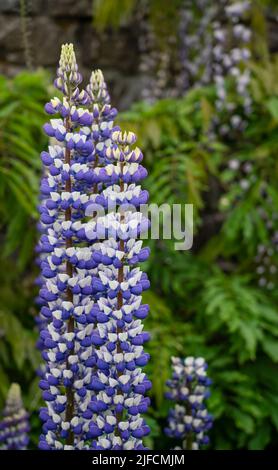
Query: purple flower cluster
[
  {"x": 120, "y": 384},
  {"x": 195, "y": 44},
  {"x": 230, "y": 55},
  {"x": 92, "y": 339},
  {"x": 266, "y": 259},
  {"x": 211, "y": 44},
  {"x": 14, "y": 426},
  {"x": 189, "y": 420}
]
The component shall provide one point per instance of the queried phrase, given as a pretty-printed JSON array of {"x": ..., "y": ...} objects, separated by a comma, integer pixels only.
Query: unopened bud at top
[
  {"x": 97, "y": 88},
  {"x": 67, "y": 73},
  {"x": 14, "y": 397},
  {"x": 124, "y": 138}
]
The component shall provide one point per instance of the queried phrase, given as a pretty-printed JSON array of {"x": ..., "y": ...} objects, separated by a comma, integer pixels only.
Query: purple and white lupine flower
[
  {"x": 189, "y": 420},
  {"x": 67, "y": 266},
  {"x": 97, "y": 89},
  {"x": 103, "y": 123},
  {"x": 119, "y": 384},
  {"x": 14, "y": 425},
  {"x": 91, "y": 289},
  {"x": 97, "y": 99}
]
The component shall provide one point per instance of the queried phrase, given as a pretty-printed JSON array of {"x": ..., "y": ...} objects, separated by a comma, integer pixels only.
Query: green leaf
[
  {"x": 270, "y": 347},
  {"x": 243, "y": 421},
  {"x": 272, "y": 106},
  {"x": 261, "y": 438}
]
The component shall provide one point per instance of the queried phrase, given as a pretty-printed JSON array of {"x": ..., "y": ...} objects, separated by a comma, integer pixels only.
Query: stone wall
[{"x": 53, "y": 22}]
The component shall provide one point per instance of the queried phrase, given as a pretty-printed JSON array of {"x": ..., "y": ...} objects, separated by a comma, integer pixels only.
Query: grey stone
[
  {"x": 114, "y": 49},
  {"x": 48, "y": 36},
  {"x": 9, "y": 6},
  {"x": 9, "y": 69},
  {"x": 13, "y": 6},
  {"x": 10, "y": 34},
  {"x": 54, "y": 22},
  {"x": 70, "y": 8},
  {"x": 273, "y": 36}
]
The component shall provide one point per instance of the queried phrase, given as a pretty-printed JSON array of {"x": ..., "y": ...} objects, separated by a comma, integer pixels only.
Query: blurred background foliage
[{"x": 209, "y": 301}]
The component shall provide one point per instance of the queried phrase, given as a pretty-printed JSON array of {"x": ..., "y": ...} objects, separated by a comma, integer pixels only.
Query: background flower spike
[
  {"x": 14, "y": 425},
  {"x": 189, "y": 420}
]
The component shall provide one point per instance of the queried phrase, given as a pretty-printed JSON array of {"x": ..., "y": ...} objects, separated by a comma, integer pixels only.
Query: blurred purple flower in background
[
  {"x": 189, "y": 420},
  {"x": 14, "y": 425}
]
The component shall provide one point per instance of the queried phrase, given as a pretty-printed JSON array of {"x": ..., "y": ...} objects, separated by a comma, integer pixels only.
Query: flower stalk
[{"x": 189, "y": 420}]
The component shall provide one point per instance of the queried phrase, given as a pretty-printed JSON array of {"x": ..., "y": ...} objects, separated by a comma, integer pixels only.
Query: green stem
[
  {"x": 69, "y": 295},
  {"x": 119, "y": 415}
]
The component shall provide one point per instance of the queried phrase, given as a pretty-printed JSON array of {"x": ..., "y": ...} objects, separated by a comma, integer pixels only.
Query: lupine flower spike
[
  {"x": 14, "y": 426},
  {"x": 67, "y": 284},
  {"x": 90, "y": 296},
  {"x": 189, "y": 420},
  {"x": 120, "y": 384}
]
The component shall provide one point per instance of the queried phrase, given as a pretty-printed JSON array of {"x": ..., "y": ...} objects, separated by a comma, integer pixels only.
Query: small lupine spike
[
  {"x": 189, "y": 420},
  {"x": 14, "y": 426},
  {"x": 97, "y": 88}
]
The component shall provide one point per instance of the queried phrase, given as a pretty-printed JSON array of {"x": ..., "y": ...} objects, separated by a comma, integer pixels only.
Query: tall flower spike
[
  {"x": 119, "y": 383},
  {"x": 14, "y": 426},
  {"x": 67, "y": 266},
  {"x": 189, "y": 420},
  {"x": 90, "y": 293}
]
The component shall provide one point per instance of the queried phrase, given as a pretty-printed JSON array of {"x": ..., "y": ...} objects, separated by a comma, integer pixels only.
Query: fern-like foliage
[
  {"x": 21, "y": 139},
  {"x": 112, "y": 13},
  {"x": 163, "y": 14},
  {"x": 203, "y": 302},
  {"x": 178, "y": 151},
  {"x": 207, "y": 301}
]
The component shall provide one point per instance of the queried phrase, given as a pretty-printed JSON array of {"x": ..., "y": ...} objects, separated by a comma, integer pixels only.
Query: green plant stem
[
  {"x": 119, "y": 306},
  {"x": 188, "y": 441},
  {"x": 69, "y": 295}
]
